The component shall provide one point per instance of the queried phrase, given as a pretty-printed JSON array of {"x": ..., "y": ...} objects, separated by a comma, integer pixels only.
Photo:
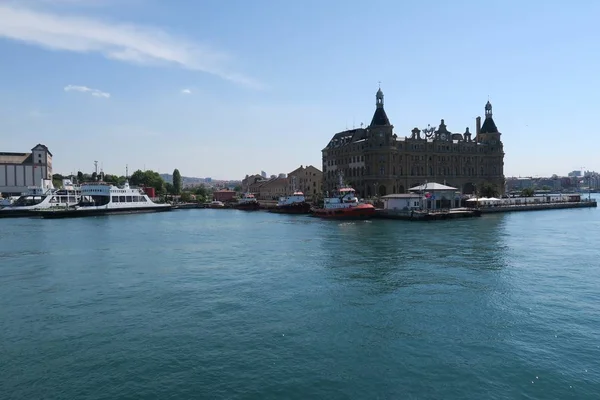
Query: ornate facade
[{"x": 375, "y": 161}]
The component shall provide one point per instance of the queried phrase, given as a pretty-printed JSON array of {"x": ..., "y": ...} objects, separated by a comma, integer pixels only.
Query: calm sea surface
[{"x": 222, "y": 304}]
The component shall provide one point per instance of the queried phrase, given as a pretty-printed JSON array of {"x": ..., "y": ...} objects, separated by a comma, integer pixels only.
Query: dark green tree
[
  {"x": 94, "y": 176},
  {"x": 169, "y": 188},
  {"x": 177, "y": 182},
  {"x": 488, "y": 190},
  {"x": 186, "y": 197},
  {"x": 527, "y": 192},
  {"x": 148, "y": 178},
  {"x": 79, "y": 176}
]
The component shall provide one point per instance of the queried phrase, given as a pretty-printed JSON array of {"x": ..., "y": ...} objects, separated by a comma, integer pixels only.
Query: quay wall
[{"x": 537, "y": 207}]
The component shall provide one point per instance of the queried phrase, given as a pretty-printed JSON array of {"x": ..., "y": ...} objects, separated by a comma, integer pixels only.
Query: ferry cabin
[
  {"x": 102, "y": 194},
  {"x": 46, "y": 195},
  {"x": 343, "y": 198}
]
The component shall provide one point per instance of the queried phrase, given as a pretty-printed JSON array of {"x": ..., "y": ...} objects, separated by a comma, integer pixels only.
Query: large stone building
[
  {"x": 375, "y": 161},
  {"x": 307, "y": 179},
  {"x": 21, "y": 170}
]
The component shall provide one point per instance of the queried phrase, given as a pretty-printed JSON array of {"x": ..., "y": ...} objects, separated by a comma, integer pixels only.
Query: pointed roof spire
[
  {"x": 380, "y": 117},
  {"x": 489, "y": 126}
]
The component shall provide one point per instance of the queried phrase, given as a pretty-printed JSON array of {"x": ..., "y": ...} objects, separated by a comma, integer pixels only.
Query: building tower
[
  {"x": 488, "y": 132},
  {"x": 492, "y": 169}
]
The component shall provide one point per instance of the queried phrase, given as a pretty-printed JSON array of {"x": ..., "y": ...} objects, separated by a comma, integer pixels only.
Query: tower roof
[
  {"x": 380, "y": 117},
  {"x": 488, "y": 125}
]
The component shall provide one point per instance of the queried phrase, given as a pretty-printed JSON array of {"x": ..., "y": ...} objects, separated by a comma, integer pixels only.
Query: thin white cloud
[
  {"x": 186, "y": 91},
  {"x": 85, "y": 89},
  {"x": 123, "y": 42}
]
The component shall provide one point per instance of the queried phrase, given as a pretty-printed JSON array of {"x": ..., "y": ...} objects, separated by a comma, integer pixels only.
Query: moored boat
[
  {"x": 344, "y": 204},
  {"x": 215, "y": 204},
  {"x": 294, "y": 204},
  {"x": 247, "y": 203},
  {"x": 43, "y": 197},
  {"x": 100, "y": 198}
]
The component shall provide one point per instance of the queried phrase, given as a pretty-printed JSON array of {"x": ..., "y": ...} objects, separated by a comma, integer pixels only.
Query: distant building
[
  {"x": 21, "y": 170},
  {"x": 273, "y": 189},
  {"x": 308, "y": 179},
  {"x": 263, "y": 174},
  {"x": 376, "y": 161},
  {"x": 208, "y": 180},
  {"x": 574, "y": 174},
  {"x": 224, "y": 195},
  {"x": 282, "y": 176}
]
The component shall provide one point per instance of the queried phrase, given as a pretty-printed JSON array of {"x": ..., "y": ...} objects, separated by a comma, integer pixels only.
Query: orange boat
[{"x": 344, "y": 205}]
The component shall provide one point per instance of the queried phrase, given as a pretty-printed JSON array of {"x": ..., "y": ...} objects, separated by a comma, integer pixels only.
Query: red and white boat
[
  {"x": 247, "y": 203},
  {"x": 344, "y": 205}
]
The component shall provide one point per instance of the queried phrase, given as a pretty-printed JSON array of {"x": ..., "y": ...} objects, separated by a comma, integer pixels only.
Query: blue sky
[{"x": 227, "y": 88}]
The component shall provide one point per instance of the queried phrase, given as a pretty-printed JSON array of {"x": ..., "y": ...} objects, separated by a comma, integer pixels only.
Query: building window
[{"x": 382, "y": 171}]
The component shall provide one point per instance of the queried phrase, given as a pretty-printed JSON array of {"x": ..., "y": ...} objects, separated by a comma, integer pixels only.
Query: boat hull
[
  {"x": 359, "y": 212},
  {"x": 296, "y": 208},
  {"x": 77, "y": 213},
  {"x": 247, "y": 206},
  {"x": 7, "y": 213},
  {"x": 15, "y": 213}
]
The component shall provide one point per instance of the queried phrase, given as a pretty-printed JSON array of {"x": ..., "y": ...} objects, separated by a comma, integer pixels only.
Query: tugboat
[
  {"x": 294, "y": 204},
  {"x": 215, "y": 204},
  {"x": 247, "y": 203},
  {"x": 43, "y": 197},
  {"x": 100, "y": 198},
  {"x": 344, "y": 205}
]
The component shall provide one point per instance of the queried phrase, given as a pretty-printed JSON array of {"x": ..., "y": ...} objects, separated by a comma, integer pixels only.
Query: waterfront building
[
  {"x": 18, "y": 171},
  {"x": 308, "y": 180},
  {"x": 437, "y": 195},
  {"x": 376, "y": 161},
  {"x": 403, "y": 201},
  {"x": 272, "y": 189},
  {"x": 224, "y": 195}
]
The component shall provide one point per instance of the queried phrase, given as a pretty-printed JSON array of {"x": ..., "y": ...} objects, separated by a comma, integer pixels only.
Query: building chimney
[{"x": 477, "y": 125}]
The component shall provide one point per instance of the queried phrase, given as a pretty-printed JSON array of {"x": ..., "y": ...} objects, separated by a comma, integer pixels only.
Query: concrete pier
[
  {"x": 426, "y": 215},
  {"x": 539, "y": 206}
]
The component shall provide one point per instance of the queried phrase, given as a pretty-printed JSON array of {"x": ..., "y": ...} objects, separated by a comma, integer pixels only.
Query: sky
[{"x": 225, "y": 88}]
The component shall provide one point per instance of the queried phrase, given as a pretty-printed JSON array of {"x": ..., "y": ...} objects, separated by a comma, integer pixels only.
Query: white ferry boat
[
  {"x": 43, "y": 197},
  {"x": 100, "y": 198}
]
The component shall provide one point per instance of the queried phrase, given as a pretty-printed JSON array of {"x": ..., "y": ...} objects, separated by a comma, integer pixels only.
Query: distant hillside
[
  {"x": 186, "y": 179},
  {"x": 192, "y": 181}
]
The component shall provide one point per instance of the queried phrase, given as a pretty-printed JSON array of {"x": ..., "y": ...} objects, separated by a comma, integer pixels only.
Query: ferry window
[
  {"x": 128, "y": 199},
  {"x": 115, "y": 199},
  {"x": 121, "y": 199}
]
